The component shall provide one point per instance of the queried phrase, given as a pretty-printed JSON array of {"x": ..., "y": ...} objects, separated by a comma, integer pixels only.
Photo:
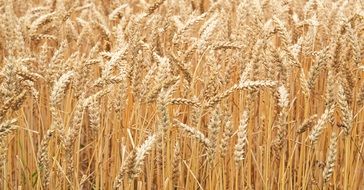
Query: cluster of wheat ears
[{"x": 181, "y": 94}]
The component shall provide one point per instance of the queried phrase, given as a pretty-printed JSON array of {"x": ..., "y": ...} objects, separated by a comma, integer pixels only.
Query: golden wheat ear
[
  {"x": 181, "y": 94},
  {"x": 331, "y": 158}
]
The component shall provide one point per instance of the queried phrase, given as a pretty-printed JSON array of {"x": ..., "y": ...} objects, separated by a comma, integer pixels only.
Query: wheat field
[{"x": 181, "y": 94}]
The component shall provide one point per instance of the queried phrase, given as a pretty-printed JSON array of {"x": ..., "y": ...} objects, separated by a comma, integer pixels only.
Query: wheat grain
[
  {"x": 307, "y": 123},
  {"x": 331, "y": 158},
  {"x": 198, "y": 135},
  {"x": 242, "y": 139},
  {"x": 317, "y": 129}
]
